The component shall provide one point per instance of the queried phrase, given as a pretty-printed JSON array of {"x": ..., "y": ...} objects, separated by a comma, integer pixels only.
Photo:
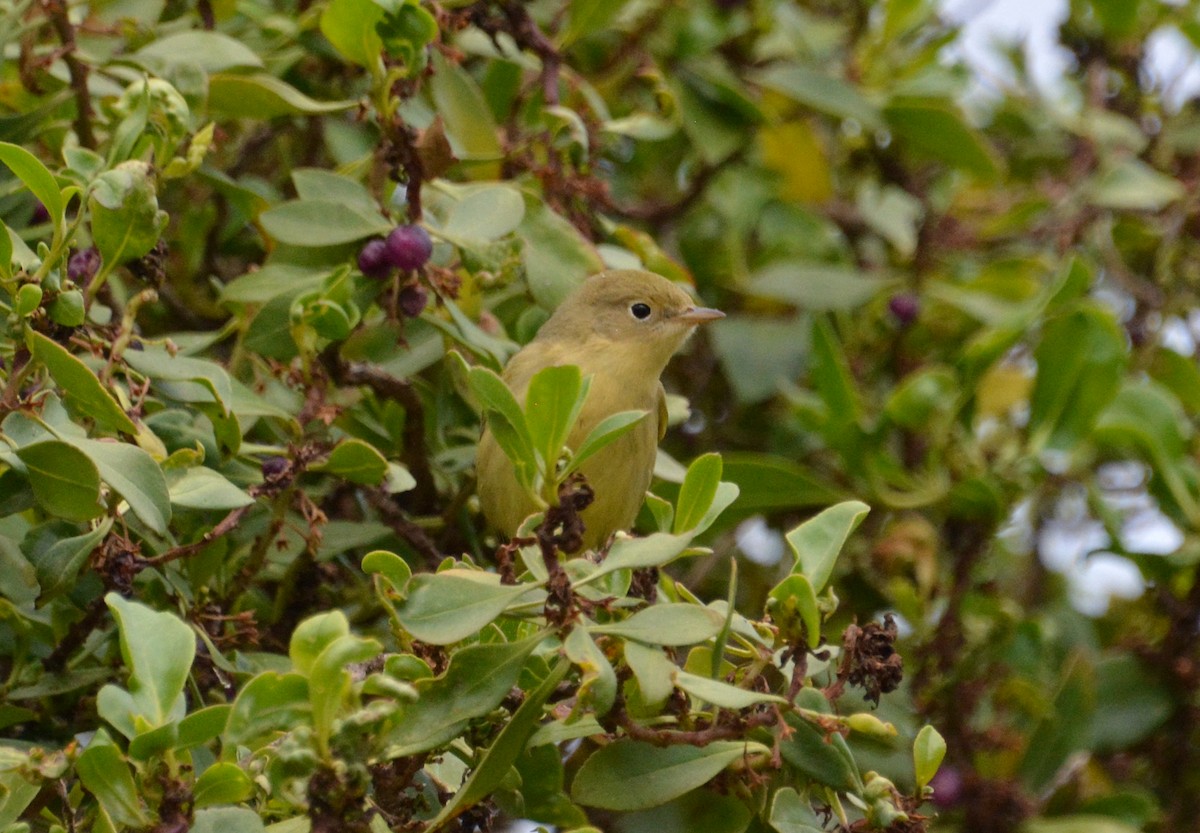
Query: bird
[{"x": 620, "y": 327}]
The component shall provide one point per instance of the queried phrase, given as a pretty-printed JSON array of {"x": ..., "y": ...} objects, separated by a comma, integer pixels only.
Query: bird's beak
[{"x": 699, "y": 315}]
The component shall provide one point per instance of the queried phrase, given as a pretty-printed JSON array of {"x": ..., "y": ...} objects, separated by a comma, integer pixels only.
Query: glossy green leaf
[
  {"x": 237, "y": 820},
  {"x": 929, "y": 748},
  {"x": 1133, "y": 185},
  {"x": 262, "y": 96},
  {"x": 553, "y": 401},
  {"x": 773, "y": 482},
  {"x": 321, "y": 222},
  {"x": 157, "y": 648},
  {"x": 203, "y": 724},
  {"x": 312, "y": 636},
  {"x": 938, "y": 130},
  {"x": 814, "y": 286},
  {"x": 125, "y": 219},
  {"x": 329, "y": 681},
  {"x": 106, "y": 775},
  {"x": 209, "y": 50},
  {"x": 203, "y": 488},
  {"x": 446, "y": 607},
  {"x": 817, "y": 542},
  {"x": 1080, "y": 361},
  {"x": 827, "y": 761},
  {"x": 268, "y": 703},
  {"x": 821, "y": 92},
  {"x": 79, "y": 385},
  {"x": 793, "y": 607},
  {"x": 389, "y": 565},
  {"x": 133, "y": 473},
  {"x": 58, "y": 556},
  {"x": 606, "y": 431},
  {"x": 485, "y": 213},
  {"x": 655, "y": 674},
  {"x": 469, "y": 124},
  {"x": 356, "y": 461},
  {"x": 628, "y": 553},
  {"x": 792, "y": 814},
  {"x": 350, "y": 26},
  {"x": 698, "y": 491},
  {"x": 667, "y": 624},
  {"x": 498, "y": 759},
  {"x": 222, "y": 783},
  {"x": 36, "y": 177},
  {"x": 65, "y": 481},
  {"x": 479, "y": 677},
  {"x": 598, "y": 681},
  {"x": 160, "y": 365},
  {"x": 634, "y": 775},
  {"x": 720, "y": 693}
]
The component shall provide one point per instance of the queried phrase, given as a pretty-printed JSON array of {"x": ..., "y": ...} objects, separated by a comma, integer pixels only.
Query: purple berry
[
  {"x": 40, "y": 215},
  {"x": 274, "y": 467},
  {"x": 947, "y": 787},
  {"x": 409, "y": 247},
  {"x": 83, "y": 265},
  {"x": 412, "y": 300},
  {"x": 905, "y": 307},
  {"x": 373, "y": 259}
]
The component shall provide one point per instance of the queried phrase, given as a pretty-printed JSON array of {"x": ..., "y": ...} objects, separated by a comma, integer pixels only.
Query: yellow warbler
[{"x": 620, "y": 327}]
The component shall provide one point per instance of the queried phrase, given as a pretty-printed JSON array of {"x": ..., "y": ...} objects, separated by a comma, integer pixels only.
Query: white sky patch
[
  {"x": 759, "y": 542},
  {"x": 1031, "y": 23}
]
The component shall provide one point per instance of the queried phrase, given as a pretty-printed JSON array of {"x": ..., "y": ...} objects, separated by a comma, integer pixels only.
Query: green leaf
[
  {"x": 222, "y": 783},
  {"x": 815, "y": 286},
  {"x": 792, "y": 814},
  {"x": 499, "y": 758},
  {"x": 389, "y": 565},
  {"x": 479, "y": 677},
  {"x": 485, "y": 213},
  {"x": 16, "y": 793},
  {"x": 125, "y": 219},
  {"x": 160, "y": 365},
  {"x": 261, "y": 96},
  {"x": 628, "y": 553},
  {"x": 324, "y": 222},
  {"x": 655, "y": 673},
  {"x": 698, "y": 491},
  {"x": 1064, "y": 729},
  {"x": 929, "y": 748},
  {"x": 269, "y": 703},
  {"x": 458, "y": 100},
  {"x": 37, "y": 178},
  {"x": 158, "y": 649},
  {"x": 356, "y": 461},
  {"x": 553, "y": 401},
  {"x": 106, "y": 775},
  {"x": 633, "y": 775},
  {"x": 606, "y": 431},
  {"x": 1080, "y": 361},
  {"x": 597, "y": 689},
  {"x": 237, "y": 820},
  {"x": 203, "y": 488},
  {"x": 771, "y": 482},
  {"x": 827, "y": 761},
  {"x": 495, "y": 397},
  {"x": 793, "y": 603},
  {"x": 65, "y": 481},
  {"x": 312, "y": 636},
  {"x": 210, "y": 51},
  {"x": 836, "y": 386},
  {"x": 320, "y": 184},
  {"x": 667, "y": 624},
  {"x": 79, "y": 385},
  {"x": 937, "y": 130},
  {"x": 133, "y": 473},
  {"x": 555, "y": 255},
  {"x": 821, "y": 92},
  {"x": 720, "y": 693},
  {"x": 350, "y": 26},
  {"x": 817, "y": 542},
  {"x": 585, "y": 17},
  {"x": 203, "y": 725},
  {"x": 1132, "y": 703},
  {"x": 447, "y": 607},
  {"x": 1078, "y": 823},
  {"x": 329, "y": 681},
  {"x": 58, "y": 556},
  {"x": 1132, "y": 185}
]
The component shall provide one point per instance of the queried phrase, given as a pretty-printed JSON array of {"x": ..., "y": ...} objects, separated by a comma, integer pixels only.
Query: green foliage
[{"x": 243, "y": 581}]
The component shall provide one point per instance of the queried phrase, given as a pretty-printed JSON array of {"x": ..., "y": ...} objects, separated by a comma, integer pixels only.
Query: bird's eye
[{"x": 640, "y": 311}]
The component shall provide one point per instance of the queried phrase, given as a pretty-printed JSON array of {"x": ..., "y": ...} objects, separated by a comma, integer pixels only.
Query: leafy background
[{"x": 974, "y": 316}]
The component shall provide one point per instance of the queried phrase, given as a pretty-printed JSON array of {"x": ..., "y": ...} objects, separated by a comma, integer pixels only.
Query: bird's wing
[{"x": 662, "y": 411}]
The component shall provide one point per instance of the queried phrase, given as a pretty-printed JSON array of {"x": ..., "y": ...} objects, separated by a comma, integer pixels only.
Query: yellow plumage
[{"x": 620, "y": 327}]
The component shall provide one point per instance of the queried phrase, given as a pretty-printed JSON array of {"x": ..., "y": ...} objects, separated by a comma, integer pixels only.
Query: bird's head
[{"x": 629, "y": 307}]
